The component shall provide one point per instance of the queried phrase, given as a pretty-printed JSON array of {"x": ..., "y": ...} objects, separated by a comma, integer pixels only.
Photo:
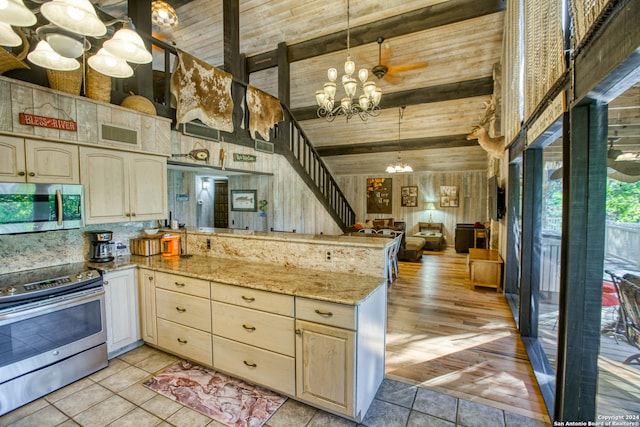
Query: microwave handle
[{"x": 59, "y": 207}]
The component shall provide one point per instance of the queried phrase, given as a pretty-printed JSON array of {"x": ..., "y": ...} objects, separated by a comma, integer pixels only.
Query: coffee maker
[{"x": 100, "y": 246}]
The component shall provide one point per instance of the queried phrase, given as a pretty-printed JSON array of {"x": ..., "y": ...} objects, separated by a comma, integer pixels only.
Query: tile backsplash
[{"x": 35, "y": 250}]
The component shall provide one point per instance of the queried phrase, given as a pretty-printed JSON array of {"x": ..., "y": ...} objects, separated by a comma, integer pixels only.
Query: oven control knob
[
  {"x": 79, "y": 276},
  {"x": 11, "y": 289},
  {"x": 90, "y": 274}
]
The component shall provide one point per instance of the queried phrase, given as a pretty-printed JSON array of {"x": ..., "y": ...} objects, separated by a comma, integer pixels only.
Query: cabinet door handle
[
  {"x": 298, "y": 331},
  {"x": 133, "y": 214},
  {"x": 180, "y": 285},
  {"x": 324, "y": 313},
  {"x": 250, "y": 364},
  {"x": 21, "y": 173},
  {"x": 181, "y": 310},
  {"x": 249, "y": 328},
  {"x": 32, "y": 174},
  {"x": 150, "y": 278},
  {"x": 248, "y": 299},
  {"x": 105, "y": 282},
  {"x": 181, "y": 341}
]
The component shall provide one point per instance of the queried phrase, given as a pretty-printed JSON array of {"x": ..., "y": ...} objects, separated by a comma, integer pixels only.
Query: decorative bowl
[{"x": 151, "y": 231}]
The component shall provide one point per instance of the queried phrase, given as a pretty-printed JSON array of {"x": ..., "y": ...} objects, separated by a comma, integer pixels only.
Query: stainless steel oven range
[{"x": 52, "y": 331}]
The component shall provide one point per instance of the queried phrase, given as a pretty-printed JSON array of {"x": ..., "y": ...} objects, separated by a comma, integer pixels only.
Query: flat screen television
[{"x": 496, "y": 201}]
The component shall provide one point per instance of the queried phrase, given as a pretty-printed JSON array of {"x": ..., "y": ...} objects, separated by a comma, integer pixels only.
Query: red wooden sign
[{"x": 47, "y": 122}]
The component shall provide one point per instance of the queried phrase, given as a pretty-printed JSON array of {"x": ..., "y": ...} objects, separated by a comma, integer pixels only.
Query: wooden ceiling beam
[
  {"x": 426, "y": 18},
  {"x": 446, "y": 92},
  {"x": 447, "y": 141}
]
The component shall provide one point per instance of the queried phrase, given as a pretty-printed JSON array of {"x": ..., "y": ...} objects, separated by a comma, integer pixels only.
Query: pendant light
[
  {"x": 400, "y": 166},
  {"x": 66, "y": 43},
  {"x": 14, "y": 12},
  {"x": 46, "y": 57},
  {"x": 109, "y": 65},
  {"x": 78, "y": 16},
  {"x": 8, "y": 37},
  {"x": 127, "y": 44}
]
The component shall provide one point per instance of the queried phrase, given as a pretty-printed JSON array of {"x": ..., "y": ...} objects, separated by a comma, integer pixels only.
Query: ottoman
[{"x": 411, "y": 249}]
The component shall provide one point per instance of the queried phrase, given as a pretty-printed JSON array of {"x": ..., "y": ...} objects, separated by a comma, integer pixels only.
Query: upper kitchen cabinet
[
  {"x": 37, "y": 161},
  {"x": 123, "y": 186}
]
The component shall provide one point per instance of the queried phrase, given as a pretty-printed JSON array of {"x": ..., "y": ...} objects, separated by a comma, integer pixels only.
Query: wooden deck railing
[
  {"x": 622, "y": 245},
  {"x": 623, "y": 242}
]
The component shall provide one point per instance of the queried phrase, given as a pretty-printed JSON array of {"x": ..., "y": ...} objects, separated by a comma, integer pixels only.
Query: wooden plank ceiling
[{"x": 460, "y": 40}]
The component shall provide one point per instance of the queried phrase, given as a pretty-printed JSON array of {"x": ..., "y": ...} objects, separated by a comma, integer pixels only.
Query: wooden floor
[{"x": 445, "y": 336}]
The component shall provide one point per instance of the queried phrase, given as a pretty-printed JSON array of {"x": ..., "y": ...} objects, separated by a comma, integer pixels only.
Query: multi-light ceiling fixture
[
  {"x": 400, "y": 166},
  {"x": 65, "y": 38},
  {"x": 367, "y": 104}
]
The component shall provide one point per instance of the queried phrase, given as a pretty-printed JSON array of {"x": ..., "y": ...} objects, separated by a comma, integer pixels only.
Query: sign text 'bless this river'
[{"x": 47, "y": 122}]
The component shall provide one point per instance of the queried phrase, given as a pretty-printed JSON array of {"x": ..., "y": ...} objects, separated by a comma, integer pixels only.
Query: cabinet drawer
[
  {"x": 274, "y": 371},
  {"x": 186, "y": 285},
  {"x": 328, "y": 313},
  {"x": 257, "y": 328},
  {"x": 184, "y": 309},
  {"x": 187, "y": 342},
  {"x": 253, "y": 298}
]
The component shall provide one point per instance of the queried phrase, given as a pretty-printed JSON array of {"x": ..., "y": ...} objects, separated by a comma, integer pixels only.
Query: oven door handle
[
  {"x": 52, "y": 304},
  {"x": 59, "y": 207}
]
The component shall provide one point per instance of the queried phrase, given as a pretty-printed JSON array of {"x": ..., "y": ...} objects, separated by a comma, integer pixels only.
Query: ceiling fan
[
  {"x": 388, "y": 72},
  {"x": 621, "y": 166},
  {"x": 625, "y": 163}
]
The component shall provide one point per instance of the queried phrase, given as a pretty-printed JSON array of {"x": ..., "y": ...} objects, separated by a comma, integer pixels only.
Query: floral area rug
[{"x": 225, "y": 399}]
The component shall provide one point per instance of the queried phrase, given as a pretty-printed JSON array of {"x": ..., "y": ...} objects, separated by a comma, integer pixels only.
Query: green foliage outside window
[{"x": 623, "y": 201}]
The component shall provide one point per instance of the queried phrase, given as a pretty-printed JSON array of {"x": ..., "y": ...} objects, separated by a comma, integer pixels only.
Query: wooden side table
[{"x": 485, "y": 268}]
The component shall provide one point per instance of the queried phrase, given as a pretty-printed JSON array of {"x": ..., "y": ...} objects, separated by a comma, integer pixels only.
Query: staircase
[
  {"x": 312, "y": 170},
  {"x": 293, "y": 144}
]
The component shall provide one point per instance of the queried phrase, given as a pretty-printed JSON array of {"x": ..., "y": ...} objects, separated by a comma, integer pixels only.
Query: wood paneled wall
[{"x": 472, "y": 193}]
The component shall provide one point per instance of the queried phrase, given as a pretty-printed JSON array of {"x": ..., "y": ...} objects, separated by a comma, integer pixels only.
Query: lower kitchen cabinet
[
  {"x": 183, "y": 317},
  {"x": 190, "y": 343},
  {"x": 256, "y": 365},
  {"x": 340, "y": 353},
  {"x": 147, "y": 294},
  {"x": 121, "y": 304},
  {"x": 325, "y": 360},
  {"x": 329, "y": 355}
]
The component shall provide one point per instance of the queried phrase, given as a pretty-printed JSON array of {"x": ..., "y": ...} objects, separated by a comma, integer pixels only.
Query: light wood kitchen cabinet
[
  {"x": 330, "y": 355},
  {"x": 253, "y": 336},
  {"x": 147, "y": 295},
  {"x": 348, "y": 342},
  {"x": 38, "y": 161},
  {"x": 183, "y": 313},
  {"x": 321, "y": 349},
  {"x": 122, "y": 186},
  {"x": 121, "y": 304}
]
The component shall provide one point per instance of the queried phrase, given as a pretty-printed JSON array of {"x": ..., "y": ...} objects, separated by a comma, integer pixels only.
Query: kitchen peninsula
[{"x": 276, "y": 324}]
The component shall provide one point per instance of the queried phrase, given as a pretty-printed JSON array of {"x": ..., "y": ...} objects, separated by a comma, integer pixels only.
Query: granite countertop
[
  {"x": 341, "y": 288},
  {"x": 362, "y": 239}
]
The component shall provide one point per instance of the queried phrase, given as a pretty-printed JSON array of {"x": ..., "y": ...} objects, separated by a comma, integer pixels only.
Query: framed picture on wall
[
  {"x": 448, "y": 196},
  {"x": 379, "y": 195},
  {"x": 244, "y": 200},
  {"x": 409, "y": 196}
]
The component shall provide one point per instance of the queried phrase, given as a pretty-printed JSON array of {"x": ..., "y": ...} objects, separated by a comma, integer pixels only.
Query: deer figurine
[{"x": 492, "y": 145}]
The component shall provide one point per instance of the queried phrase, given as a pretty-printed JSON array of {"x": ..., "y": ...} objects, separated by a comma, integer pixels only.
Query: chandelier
[
  {"x": 65, "y": 38},
  {"x": 367, "y": 103},
  {"x": 400, "y": 166}
]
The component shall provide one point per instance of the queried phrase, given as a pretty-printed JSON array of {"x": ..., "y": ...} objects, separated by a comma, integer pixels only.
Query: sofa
[{"x": 411, "y": 248}]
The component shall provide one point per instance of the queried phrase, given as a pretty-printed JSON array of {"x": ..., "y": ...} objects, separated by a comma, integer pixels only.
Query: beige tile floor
[{"x": 116, "y": 397}]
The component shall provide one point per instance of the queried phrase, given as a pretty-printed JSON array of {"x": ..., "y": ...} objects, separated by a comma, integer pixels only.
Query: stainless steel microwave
[{"x": 26, "y": 208}]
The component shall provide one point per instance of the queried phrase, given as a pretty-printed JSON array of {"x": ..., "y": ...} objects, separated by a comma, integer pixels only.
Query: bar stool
[{"x": 480, "y": 234}]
